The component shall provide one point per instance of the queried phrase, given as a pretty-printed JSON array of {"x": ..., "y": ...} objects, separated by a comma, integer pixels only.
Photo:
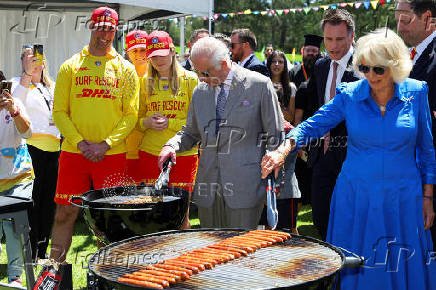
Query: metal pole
[
  {"x": 182, "y": 38},
  {"x": 211, "y": 19}
]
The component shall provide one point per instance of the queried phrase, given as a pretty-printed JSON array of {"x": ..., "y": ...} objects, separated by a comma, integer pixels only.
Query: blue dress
[{"x": 377, "y": 207}]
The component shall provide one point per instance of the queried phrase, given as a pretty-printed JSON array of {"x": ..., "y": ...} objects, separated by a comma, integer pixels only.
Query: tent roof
[{"x": 128, "y": 9}]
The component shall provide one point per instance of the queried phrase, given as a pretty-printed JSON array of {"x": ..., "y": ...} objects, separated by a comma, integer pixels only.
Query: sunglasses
[
  {"x": 204, "y": 73},
  {"x": 378, "y": 70},
  {"x": 232, "y": 45}
]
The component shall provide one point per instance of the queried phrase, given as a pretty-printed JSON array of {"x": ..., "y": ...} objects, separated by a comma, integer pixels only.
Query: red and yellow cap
[
  {"x": 159, "y": 43},
  {"x": 136, "y": 39},
  {"x": 105, "y": 16}
]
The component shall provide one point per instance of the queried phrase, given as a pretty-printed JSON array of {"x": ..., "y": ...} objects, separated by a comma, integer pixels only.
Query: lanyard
[{"x": 47, "y": 102}]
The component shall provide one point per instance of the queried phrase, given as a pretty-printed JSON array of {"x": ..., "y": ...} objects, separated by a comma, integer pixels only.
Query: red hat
[
  {"x": 105, "y": 16},
  {"x": 159, "y": 43},
  {"x": 136, "y": 39}
]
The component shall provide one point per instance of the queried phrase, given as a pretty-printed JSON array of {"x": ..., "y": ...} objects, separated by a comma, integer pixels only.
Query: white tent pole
[
  {"x": 182, "y": 37},
  {"x": 211, "y": 8}
]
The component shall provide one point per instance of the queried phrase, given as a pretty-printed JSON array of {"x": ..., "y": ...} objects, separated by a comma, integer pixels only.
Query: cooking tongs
[
  {"x": 164, "y": 176},
  {"x": 272, "y": 215}
]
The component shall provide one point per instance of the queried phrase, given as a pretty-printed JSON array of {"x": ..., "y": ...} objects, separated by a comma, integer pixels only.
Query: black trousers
[
  {"x": 45, "y": 165},
  {"x": 324, "y": 174},
  {"x": 304, "y": 177}
]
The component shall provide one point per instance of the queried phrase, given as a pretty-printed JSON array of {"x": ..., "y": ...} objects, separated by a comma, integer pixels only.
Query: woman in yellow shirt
[
  {"x": 163, "y": 108},
  {"x": 136, "y": 51}
]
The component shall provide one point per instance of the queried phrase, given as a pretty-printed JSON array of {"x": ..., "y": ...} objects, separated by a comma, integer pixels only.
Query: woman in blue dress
[{"x": 382, "y": 206}]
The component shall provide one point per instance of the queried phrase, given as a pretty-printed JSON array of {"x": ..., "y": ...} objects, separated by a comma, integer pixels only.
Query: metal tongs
[
  {"x": 272, "y": 215},
  {"x": 164, "y": 176}
]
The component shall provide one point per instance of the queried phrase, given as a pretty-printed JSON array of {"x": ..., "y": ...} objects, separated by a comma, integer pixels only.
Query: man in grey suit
[{"x": 235, "y": 116}]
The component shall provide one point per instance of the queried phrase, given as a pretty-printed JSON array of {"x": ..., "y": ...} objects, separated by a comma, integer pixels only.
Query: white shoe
[{"x": 16, "y": 283}]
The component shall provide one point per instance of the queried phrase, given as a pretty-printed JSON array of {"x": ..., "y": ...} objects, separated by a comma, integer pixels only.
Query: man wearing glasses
[
  {"x": 235, "y": 116},
  {"x": 242, "y": 47},
  {"x": 416, "y": 21}
]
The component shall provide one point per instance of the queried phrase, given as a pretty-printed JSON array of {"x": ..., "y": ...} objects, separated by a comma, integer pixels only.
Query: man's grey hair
[{"x": 211, "y": 48}]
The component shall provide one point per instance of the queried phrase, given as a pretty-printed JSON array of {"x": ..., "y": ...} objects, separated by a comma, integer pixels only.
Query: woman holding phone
[
  {"x": 34, "y": 88},
  {"x": 16, "y": 174}
]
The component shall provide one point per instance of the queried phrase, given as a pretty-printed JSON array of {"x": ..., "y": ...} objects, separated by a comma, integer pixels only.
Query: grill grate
[{"x": 293, "y": 262}]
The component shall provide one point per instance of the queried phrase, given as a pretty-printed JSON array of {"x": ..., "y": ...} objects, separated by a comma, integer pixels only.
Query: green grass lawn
[{"x": 84, "y": 245}]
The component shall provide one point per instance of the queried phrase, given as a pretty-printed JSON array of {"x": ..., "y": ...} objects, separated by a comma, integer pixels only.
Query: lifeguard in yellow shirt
[
  {"x": 163, "y": 108},
  {"x": 95, "y": 108},
  {"x": 136, "y": 50}
]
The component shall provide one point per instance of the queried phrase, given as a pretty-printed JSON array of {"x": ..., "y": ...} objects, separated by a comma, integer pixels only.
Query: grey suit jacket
[{"x": 231, "y": 160}]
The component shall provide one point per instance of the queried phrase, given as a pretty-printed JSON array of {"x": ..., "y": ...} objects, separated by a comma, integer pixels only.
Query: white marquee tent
[{"x": 61, "y": 25}]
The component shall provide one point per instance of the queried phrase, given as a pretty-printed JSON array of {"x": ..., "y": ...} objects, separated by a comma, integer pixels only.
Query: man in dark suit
[
  {"x": 298, "y": 74},
  {"x": 417, "y": 27},
  {"x": 310, "y": 52},
  {"x": 326, "y": 155},
  {"x": 195, "y": 36},
  {"x": 242, "y": 47}
]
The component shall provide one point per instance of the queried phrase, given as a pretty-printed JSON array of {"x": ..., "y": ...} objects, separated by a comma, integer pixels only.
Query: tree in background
[{"x": 284, "y": 31}]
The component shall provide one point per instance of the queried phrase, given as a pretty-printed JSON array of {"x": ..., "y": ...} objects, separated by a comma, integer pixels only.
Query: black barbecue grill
[{"x": 299, "y": 263}]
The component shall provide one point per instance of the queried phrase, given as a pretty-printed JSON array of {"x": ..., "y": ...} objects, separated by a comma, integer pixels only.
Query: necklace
[{"x": 382, "y": 108}]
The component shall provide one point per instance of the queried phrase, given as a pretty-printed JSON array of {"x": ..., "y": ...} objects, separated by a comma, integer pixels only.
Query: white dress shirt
[
  {"x": 244, "y": 61},
  {"x": 227, "y": 84},
  {"x": 423, "y": 45},
  {"x": 342, "y": 65}
]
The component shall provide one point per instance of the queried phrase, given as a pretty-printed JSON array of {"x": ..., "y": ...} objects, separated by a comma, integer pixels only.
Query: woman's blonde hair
[
  {"x": 46, "y": 80},
  {"x": 153, "y": 75},
  {"x": 384, "y": 47}
]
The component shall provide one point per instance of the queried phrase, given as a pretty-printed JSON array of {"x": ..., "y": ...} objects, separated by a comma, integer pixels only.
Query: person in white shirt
[
  {"x": 34, "y": 88},
  {"x": 16, "y": 173}
]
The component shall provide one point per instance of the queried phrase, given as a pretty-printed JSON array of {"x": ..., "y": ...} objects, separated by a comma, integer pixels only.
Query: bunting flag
[{"x": 306, "y": 10}]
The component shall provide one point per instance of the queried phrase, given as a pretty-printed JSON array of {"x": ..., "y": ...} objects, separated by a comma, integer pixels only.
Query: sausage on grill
[
  {"x": 195, "y": 261},
  {"x": 140, "y": 283},
  {"x": 182, "y": 274},
  {"x": 230, "y": 249},
  {"x": 162, "y": 273},
  {"x": 228, "y": 254},
  {"x": 170, "y": 280},
  {"x": 157, "y": 280},
  {"x": 172, "y": 267},
  {"x": 194, "y": 269}
]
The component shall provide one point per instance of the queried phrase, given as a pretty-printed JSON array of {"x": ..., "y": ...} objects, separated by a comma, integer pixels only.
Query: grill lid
[{"x": 294, "y": 262}]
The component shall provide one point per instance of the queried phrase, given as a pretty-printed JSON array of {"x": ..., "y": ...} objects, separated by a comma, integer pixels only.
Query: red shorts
[
  {"x": 182, "y": 174},
  {"x": 133, "y": 170},
  {"x": 76, "y": 174}
]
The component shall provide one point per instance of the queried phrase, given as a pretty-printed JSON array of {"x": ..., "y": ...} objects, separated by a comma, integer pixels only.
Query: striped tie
[
  {"x": 413, "y": 53},
  {"x": 220, "y": 104}
]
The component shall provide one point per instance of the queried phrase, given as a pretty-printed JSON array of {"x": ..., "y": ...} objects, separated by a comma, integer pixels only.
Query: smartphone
[
  {"x": 6, "y": 86},
  {"x": 38, "y": 53}
]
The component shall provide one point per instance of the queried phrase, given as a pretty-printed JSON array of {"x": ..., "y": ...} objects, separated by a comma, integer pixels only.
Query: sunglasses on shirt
[{"x": 378, "y": 70}]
